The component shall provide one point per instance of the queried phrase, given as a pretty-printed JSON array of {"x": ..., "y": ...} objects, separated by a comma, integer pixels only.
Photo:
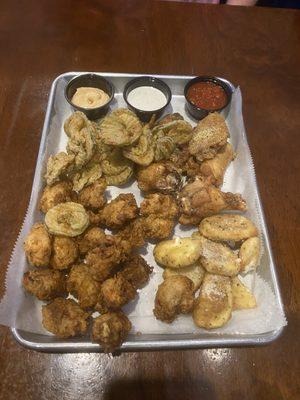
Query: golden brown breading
[
  {"x": 45, "y": 284},
  {"x": 134, "y": 233},
  {"x": 37, "y": 245},
  {"x": 136, "y": 271},
  {"x": 60, "y": 192},
  {"x": 110, "y": 330},
  {"x": 209, "y": 136},
  {"x": 83, "y": 286},
  {"x": 120, "y": 210},
  {"x": 65, "y": 252},
  {"x": 92, "y": 196},
  {"x": 64, "y": 318},
  {"x": 157, "y": 227},
  {"x": 59, "y": 166},
  {"x": 216, "y": 167},
  {"x": 249, "y": 254},
  {"x": 186, "y": 162},
  {"x": 174, "y": 296},
  {"x": 90, "y": 239},
  {"x": 159, "y": 177},
  {"x": 194, "y": 272},
  {"x": 114, "y": 293},
  {"x": 201, "y": 199},
  {"x": 104, "y": 259},
  {"x": 161, "y": 205}
]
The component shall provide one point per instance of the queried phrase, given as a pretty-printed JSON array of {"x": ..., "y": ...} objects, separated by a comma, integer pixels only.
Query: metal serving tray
[{"x": 146, "y": 342}]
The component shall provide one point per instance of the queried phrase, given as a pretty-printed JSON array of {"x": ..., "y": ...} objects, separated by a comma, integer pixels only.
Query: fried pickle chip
[
  {"x": 213, "y": 307},
  {"x": 75, "y": 123},
  {"x": 227, "y": 227},
  {"x": 45, "y": 284},
  {"x": 178, "y": 130},
  {"x": 67, "y": 219},
  {"x": 110, "y": 330},
  {"x": 37, "y": 246},
  {"x": 194, "y": 272},
  {"x": 81, "y": 145},
  {"x": 116, "y": 168},
  {"x": 249, "y": 254},
  {"x": 173, "y": 297},
  {"x": 59, "y": 166},
  {"x": 59, "y": 192},
  {"x": 64, "y": 318},
  {"x": 141, "y": 152},
  {"x": 164, "y": 146},
  {"x": 86, "y": 176},
  {"x": 64, "y": 253},
  {"x": 121, "y": 128}
]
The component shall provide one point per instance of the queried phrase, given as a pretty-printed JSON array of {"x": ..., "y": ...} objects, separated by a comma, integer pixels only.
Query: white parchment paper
[{"x": 21, "y": 310}]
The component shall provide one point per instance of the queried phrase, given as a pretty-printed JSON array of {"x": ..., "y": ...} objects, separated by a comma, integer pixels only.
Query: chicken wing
[{"x": 162, "y": 177}]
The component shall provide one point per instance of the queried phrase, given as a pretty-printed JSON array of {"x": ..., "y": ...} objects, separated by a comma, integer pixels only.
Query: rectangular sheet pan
[{"x": 146, "y": 341}]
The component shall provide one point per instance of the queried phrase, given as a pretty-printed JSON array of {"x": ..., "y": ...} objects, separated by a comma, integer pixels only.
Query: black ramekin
[
  {"x": 90, "y": 80},
  {"x": 198, "y": 112},
  {"x": 145, "y": 116}
]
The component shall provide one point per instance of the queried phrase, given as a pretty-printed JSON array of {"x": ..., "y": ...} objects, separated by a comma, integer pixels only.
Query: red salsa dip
[{"x": 207, "y": 95}]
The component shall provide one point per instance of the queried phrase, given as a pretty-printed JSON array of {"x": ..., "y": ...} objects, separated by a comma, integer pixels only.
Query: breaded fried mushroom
[
  {"x": 136, "y": 271},
  {"x": 65, "y": 252},
  {"x": 60, "y": 192},
  {"x": 174, "y": 296},
  {"x": 37, "y": 245},
  {"x": 119, "y": 211},
  {"x": 92, "y": 197},
  {"x": 134, "y": 233},
  {"x": 81, "y": 284},
  {"x": 110, "y": 330},
  {"x": 157, "y": 228},
  {"x": 45, "y": 284},
  {"x": 162, "y": 205},
  {"x": 115, "y": 293},
  {"x": 64, "y": 318},
  {"x": 90, "y": 239}
]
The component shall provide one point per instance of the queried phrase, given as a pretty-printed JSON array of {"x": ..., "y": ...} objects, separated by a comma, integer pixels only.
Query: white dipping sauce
[{"x": 147, "y": 98}]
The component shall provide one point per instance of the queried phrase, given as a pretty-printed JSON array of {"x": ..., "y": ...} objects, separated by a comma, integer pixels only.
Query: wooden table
[{"x": 257, "y": 48}]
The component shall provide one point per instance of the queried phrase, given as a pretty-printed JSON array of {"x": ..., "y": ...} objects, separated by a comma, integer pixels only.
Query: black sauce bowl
[
  {"x": 200, "y": 113},
  {"x": 145, "y": 116},
  {"x": 90, "y": 80}
]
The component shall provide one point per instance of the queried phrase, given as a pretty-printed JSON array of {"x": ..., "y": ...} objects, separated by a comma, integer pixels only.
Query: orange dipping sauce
[{"x": 207, "y": 95}]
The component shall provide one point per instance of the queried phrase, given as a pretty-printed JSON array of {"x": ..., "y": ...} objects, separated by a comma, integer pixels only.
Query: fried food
[
  {"x": 141, "y": 152},
  {"x": 67, "y": 219},
  {"x": 159, "y": 177},
  {"x": 45, "y": 284},
  {"x": 242, "y": 298},
  {"x": 157, "y": 228},
  {"x": 213, "y": 307},
  {"x": 114, "y": 293},
  {"x": 83, "y": 286},
  {"x": 163, "y": 146},
  {"x": 64, "y": 318},
  {"x": 92, "y": 197},
  {"x": 216, "y": 167},
  {"x": 178, "y": 252},
  {"x": 134, "y": 233},
  {"x": 173, "y": 297},
  {"x": 219, "y": 259},
  {"x": 86, "y": 176},
  {"x": 201, "y": 199},
  {"x": 37, "y": 245},
  {"x": 209, "y": 136},
  {"x": 121, "y": 128},
  {"x": 116, "y": 168},
  {"x": 81, "y": 145},
  {"x": 58, "y": 167},
  {"x": 174, "y": 127},
  {"x": 59, "y": 192},
  {"x": 194, "y": 272},
  {"x": 161, "y": 205},
  {"x": 104, "y": 259},
  {"x": 119, "y": 211},
  {"x": 249, "y": 254},
  {"x": 91, "y": 238},
  {"x": 227, "y": 227},
  {"x": 64, "y": 253},
  {"x": 136, "y": 271},
  {"x": 75, "y": 123},
  {"x": 110, "y": 330}
]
